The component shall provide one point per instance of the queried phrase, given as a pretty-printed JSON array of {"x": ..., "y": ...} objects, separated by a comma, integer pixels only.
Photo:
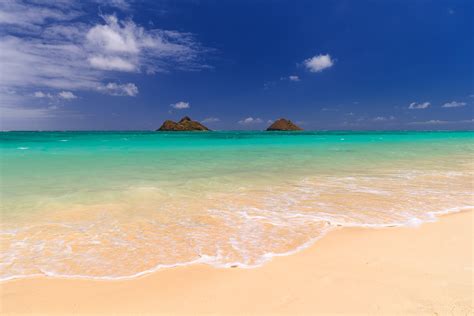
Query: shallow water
[{"x": 120, "y": 204}]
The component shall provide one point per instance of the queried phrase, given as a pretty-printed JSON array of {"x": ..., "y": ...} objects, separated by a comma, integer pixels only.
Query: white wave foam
[{"x": 217, "y": 261}]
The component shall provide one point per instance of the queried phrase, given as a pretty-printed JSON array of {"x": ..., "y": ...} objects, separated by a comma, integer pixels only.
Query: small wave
[
  {"x": 218, "y": 261},
  {"x": 22, "y": 148}
]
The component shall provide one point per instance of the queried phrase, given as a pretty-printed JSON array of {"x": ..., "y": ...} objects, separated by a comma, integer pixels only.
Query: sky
[{"x": 326, "y": 65}]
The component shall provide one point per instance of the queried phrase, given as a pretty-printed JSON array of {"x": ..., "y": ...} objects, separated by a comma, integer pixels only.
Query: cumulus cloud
[
  {"x": 43, "y": 46},
  {"x": 111, "y": 63},
  {"x": 68, "y": 95},
  {"x": 41, "y": 94},
  {"x": 125, "y": 46},
  {"x": 210, "y": 120},
  {"x": 453, "y": 104},
  {"x": 116, "y": 37},
  {"x": 116, "y": 89},
  {"x": 250, "y": 120},
  {"x": 419, "y": 106},
  {"x": 180, "y": 105},
  {"x": 319, "y": 63}
]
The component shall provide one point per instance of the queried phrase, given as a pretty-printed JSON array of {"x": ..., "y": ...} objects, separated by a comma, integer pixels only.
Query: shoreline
[
  {"x": 333, "y": 269},
  {"x": 436, "y": 216}
]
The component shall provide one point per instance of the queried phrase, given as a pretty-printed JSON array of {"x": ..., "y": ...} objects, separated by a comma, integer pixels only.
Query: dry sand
[{"x": 419, "y": 270}]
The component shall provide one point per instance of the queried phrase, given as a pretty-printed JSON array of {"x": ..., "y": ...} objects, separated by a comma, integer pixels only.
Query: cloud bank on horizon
[{"x": 73, "y": 64}]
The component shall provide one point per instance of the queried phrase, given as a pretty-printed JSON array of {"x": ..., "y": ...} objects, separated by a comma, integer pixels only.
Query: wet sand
[{"x": 415, "y": 270}]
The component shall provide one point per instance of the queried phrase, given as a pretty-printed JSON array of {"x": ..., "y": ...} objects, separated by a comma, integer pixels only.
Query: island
[
  {"x": 185, "y": 124},
  {"x": 284, "y": 125}
]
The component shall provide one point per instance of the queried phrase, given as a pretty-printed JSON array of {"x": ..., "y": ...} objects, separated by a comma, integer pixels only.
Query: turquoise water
[{"x": 119, "y": 204}]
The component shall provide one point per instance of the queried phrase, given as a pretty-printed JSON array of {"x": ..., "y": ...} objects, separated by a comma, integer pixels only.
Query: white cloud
[
  {"x": 120, "y": 4},
  {"x": 453, "y": 104},
  {"x": 67, "y": 32},
  {"x": 440, "y": 122},
  {"x": 125, "y": 46},
  {"x": 14, "y": 106},
  {"x": 115, "y": 37},
  {"x": 16, "y": 112},
  {"x": 42, "y": 46},
  {"x": 29, "y": 63},
  {"x": 68, "y": 95},
  {"x": 115, "y": 89},
  {"x": 419, "y": 106},
  {"x": 319, "y": 63},
  {"x": 111, "y": 63},
  {"x": 384, "y": 118},
  {"x": 329, "y": 109},
  {"x": 30, "y": 16},
  {"x": 41, "y": 94},
  {"x": 211, "y": 120},
  {"x": 180, "y": 105},
  {"x": 250, "y": 120},
  {"x": 293, "y": 78},
  {"x": 430, "y": 122}
]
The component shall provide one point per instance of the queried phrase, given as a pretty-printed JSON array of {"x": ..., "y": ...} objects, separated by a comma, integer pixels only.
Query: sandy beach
[
  {"x": 236, "y": 157},
  {"x": 415, "y": 270}
]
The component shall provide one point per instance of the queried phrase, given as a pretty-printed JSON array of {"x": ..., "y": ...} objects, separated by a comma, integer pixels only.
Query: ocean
[{"x": 114, "y": 205}]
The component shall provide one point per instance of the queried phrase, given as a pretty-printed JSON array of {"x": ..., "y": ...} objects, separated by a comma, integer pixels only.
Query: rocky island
[
  {"x": 284, "y": 125},
  {"x": 185, "y": 124}
]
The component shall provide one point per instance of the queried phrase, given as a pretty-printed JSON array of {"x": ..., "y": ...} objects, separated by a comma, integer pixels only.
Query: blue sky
[{"x": 130, "y": 64}]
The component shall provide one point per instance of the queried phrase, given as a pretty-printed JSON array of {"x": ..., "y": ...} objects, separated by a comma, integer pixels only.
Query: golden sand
[{"x": 418, "y": 270}]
